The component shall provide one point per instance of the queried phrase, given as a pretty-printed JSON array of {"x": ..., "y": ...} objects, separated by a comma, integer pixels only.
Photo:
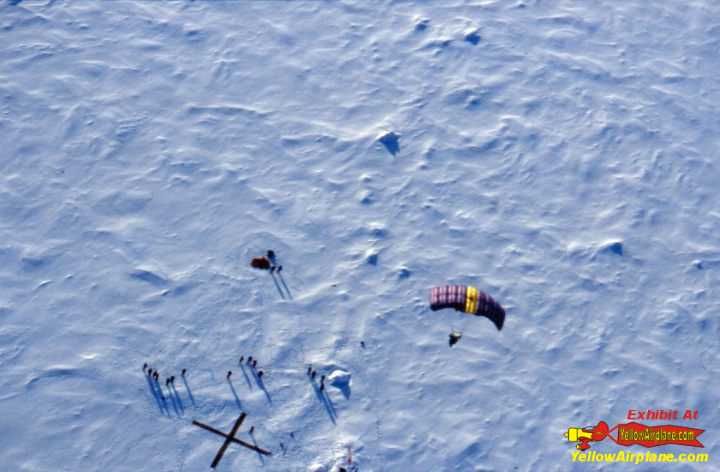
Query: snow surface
[{"x": 561, "y": 156}]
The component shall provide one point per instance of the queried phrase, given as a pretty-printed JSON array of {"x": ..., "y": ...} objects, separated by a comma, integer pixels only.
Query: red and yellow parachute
[{"x": 469, "y": 300}]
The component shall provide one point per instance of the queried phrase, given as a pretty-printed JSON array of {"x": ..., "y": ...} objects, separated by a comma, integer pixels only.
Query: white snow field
[{"x": 561, "y": 156}]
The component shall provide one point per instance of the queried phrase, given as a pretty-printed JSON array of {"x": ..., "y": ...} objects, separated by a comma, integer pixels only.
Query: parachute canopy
[{"x": 469, "y": 300}]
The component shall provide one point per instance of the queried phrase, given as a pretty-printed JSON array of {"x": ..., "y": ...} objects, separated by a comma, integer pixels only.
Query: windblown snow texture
[{"x": 560, "y": 156}]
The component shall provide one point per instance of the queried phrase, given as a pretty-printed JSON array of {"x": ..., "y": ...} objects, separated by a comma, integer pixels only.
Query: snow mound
[{"x": 339, "y": 378}]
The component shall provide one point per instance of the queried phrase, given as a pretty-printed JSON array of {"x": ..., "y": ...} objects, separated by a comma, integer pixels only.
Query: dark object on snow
[
  {"x": 309, "y": 371},
  {"x": 254, "y": 364},
  {"x": 313, "y": 374},
  {"x": 249, "y": 361},
  {"x": 156, "y": 376},
  {"x": 469, "y": 300},
  {"x": 252, "y": 429},
  {"x": 271, "y": 256},
  {"x": 172, "y": 379},
  {"x": 229, "y": 373},
  {"x": 260, "y": 263},
  {"x": 473, "y": 37},
  {"x": 279, "y": 268},
  {"x": 242, "y": 358},
  {"x": 260, "y": 374},
  {"x": 144, "y": 366},
  {"x": 362, "y": 344},
  {"x": 391, "y": 141},
  {"x": 184, "y": 371},
  {"x": 454, "y": 338}
]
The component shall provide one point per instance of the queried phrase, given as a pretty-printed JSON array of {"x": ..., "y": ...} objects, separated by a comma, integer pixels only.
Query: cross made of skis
[{"x": 230, "y": 438}]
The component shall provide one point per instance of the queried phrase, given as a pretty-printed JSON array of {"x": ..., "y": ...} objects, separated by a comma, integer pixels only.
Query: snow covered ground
[{"x": 560, "y": 155}]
